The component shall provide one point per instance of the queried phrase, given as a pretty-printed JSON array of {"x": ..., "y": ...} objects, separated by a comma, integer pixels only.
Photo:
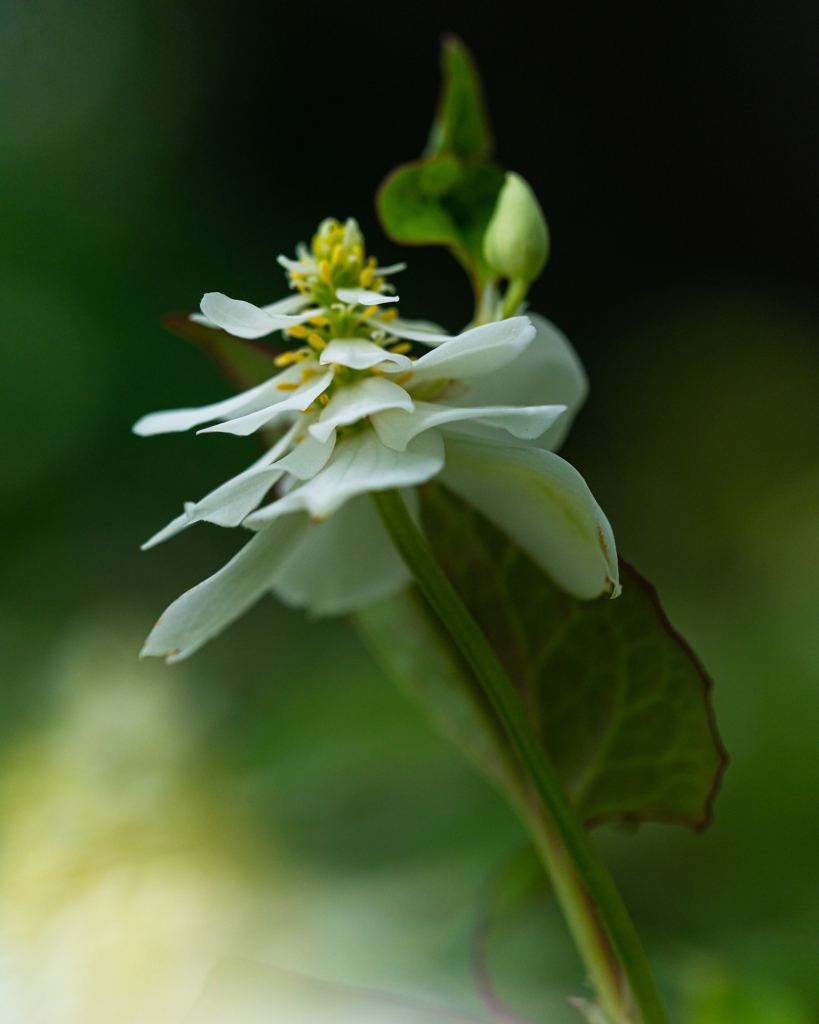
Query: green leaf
[
  {"x": 461, "y": 124},
  {"x": 441, "y": 201},
  {"x": 243, "y": 363},
  {"x": 621, "y": 702}
]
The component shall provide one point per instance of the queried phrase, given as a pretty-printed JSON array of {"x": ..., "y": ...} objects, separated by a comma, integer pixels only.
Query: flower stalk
[{"x": 582, "y": 881}]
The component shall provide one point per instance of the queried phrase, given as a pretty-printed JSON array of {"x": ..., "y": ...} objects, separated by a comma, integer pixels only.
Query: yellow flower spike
[
  {"x": 317, "y": 341},
  {"x": 404, "y": 377},
  {"x": 298, "y": 331},
  {"x": 401, "y": 347},
  {"x": 366, "y": 277},
  {"x": 287, "y": 387},
  {"x": 323, "y": 398},
  {"x": 285, "y": 359},
  {"x": 389, "y": 314},
  {"x": 318, "y": 321},
  {"x": 326, "y": 271},
  {"x": 369, "y": 311}
]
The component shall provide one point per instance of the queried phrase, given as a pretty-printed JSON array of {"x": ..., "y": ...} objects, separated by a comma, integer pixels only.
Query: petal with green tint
[
  {"x": 367, "y": 396},
  {"x": 360, "y": 354},
  {"x": 543, "y": 504},
  {"x": 476, "y": 352}
]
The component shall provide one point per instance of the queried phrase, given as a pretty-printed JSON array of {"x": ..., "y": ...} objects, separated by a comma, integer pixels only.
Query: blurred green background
[{"x": 276, "y": 798}]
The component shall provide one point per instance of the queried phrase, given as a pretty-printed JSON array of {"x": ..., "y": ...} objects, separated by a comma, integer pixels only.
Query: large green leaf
[
  {"x": 621, "y": 702},
  {"x": 461, "y": 124}
]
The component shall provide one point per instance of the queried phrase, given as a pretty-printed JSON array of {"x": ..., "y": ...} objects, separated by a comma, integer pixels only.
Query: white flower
[{"x": 480, "y": 410}]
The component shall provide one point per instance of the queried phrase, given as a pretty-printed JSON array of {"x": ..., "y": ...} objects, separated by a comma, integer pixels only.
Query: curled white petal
[
  {"x": 286, "y": 401},
  {"x": 244, "y": 320},
  {"x": 345, "y": 562},
  {"x": 543, "y": 503},
  {"x": 547, "y": 372},
  {"x": 364, "y": 296},
  {"x": 476, "y": 352},
  {"x": 308, "y": 457},
  {"x": 360, "y": 354},
  {"x": 396, "y": 427},
  {"x": 350, "y": 404},
  {"x": 359, "y": 464},
  {"x": 203, "y": 612}
]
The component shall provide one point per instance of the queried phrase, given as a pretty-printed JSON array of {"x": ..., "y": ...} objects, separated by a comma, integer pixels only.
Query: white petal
[
  {"x": 547, "y": 372},
  {"x": 203, "y": 612},
  {"x": 343, "y": 563},
  {"x": 476, "y": 352},
  {"x": 359, "y": 464},
  {"x": 297, "y": 266},
  {"x": 244, "y": 320},
  {"x": 236, "y": 498},
  {"x": 393, "y": 268},
  {"x": 396, "y": 427},
  {"x": 172, "y": 420},
  {"x": 290, "y": 304},
  {"x": 364, "y": 297},
  {"x": 413, "y": 330},
  {"x": 358, "y": 400},
  {"x": 360, "y": 354},
  {"x": 287, "y": 401},
  {"x": 308, "y": 457},
  {"x": 543, "y": 503}
]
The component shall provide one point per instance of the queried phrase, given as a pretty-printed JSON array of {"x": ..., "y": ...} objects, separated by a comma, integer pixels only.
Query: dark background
[{"x": 157, "y": 150}]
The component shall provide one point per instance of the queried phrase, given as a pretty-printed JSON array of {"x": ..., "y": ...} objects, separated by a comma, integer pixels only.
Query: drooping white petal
[
  {"x": 173, "y": 420},
  {"x": 236, "y": 498},
  {"x": 547, "y": 372},
  {"x": 287, "y": 401},
  {"x": 203, "y": 612},
  {"x": 244, "y": 320},
  {"x": 543, "y": 503},
  {"x": 393, "y": 268},
  {"x": 476, "y": 352},
  {"x": 396, "y": 427},
  {"x": 308, "y": 457},
  {"x": 364, "y": 296},
  {"x": 358, "y": 400},
  {"x": 360, "y": 354},
  {"x": 345, "y": 562},
  {"x": 359, "y": 464},
  {"x": 413, "y": 330}
]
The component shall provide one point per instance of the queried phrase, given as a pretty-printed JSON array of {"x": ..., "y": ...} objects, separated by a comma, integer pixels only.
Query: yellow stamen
[
  {"x": 404, "y": 377},
  {"x": 372, "y": 262},
  {"x": 299, "y": 439},
  {"x": 380, "y": 373},
  {"x": 369, "y": 311},
  {"x": 378, "y": 282},
  {"x": 301, "y": 355},
  {"x": 285, "y": 359},
  {"x": 338, "y": 252},
  {"x": 389, "y": 314},
  {"x": 366, "y": 278},
  {"x": 401, "y": 347},
  {"x": 317, "y": 341},
  {"x": 326, "y": 271},
  {"x": 298, "y": 331},
  {"x": 308, "y": 375},
  {"x": 287, "y": 387},
  {"x": 319, "y": 321},
  {"x": 324, "y": 399}
]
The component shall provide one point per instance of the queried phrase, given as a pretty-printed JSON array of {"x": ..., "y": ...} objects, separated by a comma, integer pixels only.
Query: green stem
[{"x": 500, "y": 691}]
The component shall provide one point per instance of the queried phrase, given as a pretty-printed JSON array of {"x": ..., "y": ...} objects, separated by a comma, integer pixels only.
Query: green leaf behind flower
[
  {"x": 621, "y": 702},
  {"x": 243, "y": 363}
]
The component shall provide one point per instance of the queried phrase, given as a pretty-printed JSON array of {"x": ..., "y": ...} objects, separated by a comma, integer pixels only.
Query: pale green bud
[{"x": 516, "y": 242}]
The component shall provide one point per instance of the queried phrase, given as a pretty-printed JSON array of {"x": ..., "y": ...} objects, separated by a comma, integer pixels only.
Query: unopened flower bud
[{"x": 516, "y": 242}]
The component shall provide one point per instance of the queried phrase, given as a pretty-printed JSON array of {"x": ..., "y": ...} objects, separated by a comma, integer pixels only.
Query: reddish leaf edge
[{"x": 708, "y": 686}]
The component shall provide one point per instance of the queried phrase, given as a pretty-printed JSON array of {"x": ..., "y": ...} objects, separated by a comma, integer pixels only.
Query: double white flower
[{"x": 481, "y": 411}]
